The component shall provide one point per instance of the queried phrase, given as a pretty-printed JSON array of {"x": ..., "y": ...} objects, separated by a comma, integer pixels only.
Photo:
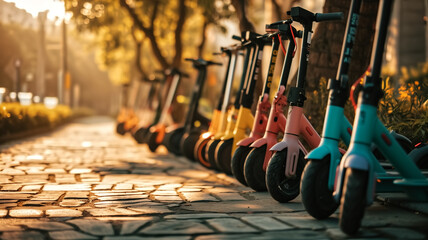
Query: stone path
[{"x": 85, "y": 182}]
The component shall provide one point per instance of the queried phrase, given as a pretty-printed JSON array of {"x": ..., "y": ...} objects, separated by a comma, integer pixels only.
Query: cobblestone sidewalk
[{"x": 84, "y": 182}]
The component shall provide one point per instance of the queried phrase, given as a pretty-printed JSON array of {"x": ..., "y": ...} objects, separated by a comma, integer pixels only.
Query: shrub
[{"x": 16, "y": 118}]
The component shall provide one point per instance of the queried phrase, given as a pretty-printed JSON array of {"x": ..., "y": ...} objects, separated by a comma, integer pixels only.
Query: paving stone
[
  {"x": 12, "y": 171},
  {"x": 217, "y": 190},
  {"x": 199, "y": 197},
  {"x": 176, "y": 227},
  {"x": 103, "y": 187},
  {"x": 164, "y": 193},
  {"x": 33, "y": 235},
  {"x": 187, "y": 189},
  {"x": 117, "y": 193},
  {"x": 125, "y": 211},
  {"x": 54, "y": 170},
  {"x": 93, "y": 227},
  {"x": 80, "y": 170},
  {"x": 402, "y": 233},
  {"x": 169, "y": 187},
  {"x": 63, "y": 212},
  {"x": 147, "y": 238},
  {"x": 151, "y": 209},
  {"x": 31, "y": 187},
  {"x": 3, "y": 212},
  {"x": 168, "y": 198},
  {"x": 10, "y": 228},
  {"x": 14, "y": 196},
  {"x": 302, "y": 222},
  {"x": 71, "y": 203},
  {"x": 123, "y": 197},
  {"x": 230, "y": 196},
  {"x": 364, "y": 233},
  {"x": 70, "y": 235},
  {"x": 67, "y": 187},
  {"x": 130, "y": 227},
  {"x": 144, "y": 188},
  {"x": 197, "y": 216},
  {"x": 266, "y": 223},
  {"x": 121, "y": 202},
  {"x": 78, "y": 195},
  {"x": 25, "y": 212},
  {"x": 48, "y": 196},
  {"x": 48, "y": 226},
  {"x": 124, "y": 186},
  {"x": 230, "y": 225},
  {"x": 11, "y": 187}
]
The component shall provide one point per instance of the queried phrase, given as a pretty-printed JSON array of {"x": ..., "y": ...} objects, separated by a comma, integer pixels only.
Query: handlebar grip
[
  {"x": 320, "y": 17},
  {"x": 214, "y": 63},
  {"x": 234, "y": 37},
  {"x": 190, "y": 59}
]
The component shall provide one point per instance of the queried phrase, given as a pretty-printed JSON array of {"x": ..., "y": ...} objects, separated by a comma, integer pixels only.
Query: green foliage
[
  {"x": 405, "y": 110},
  {"x": 15, "y": 118}
]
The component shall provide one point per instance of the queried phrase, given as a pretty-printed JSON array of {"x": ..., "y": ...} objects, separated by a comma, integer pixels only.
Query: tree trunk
[{"x": 327, "y": 43}]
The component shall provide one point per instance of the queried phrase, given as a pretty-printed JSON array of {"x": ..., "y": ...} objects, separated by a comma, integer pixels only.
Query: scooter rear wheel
[
  {"x": 353, "y": 201},
  {"x": 316, "y": 196},
  {"x": 120, "y": 128},
  {"x": 140, "y": 135},
  {"x": 238, "y": 161},
  {"x": 172, "y": 141},
  {"x": 281, "y": 188},
  {"x": 187, "y": 144},
  {"x": 199, "y": 152},
  {"x": 210, "y": 154},
  {"x": 223, "y": 155},
  {"x": 151, "y": 143},
  {"x": 254, "y": 174}
]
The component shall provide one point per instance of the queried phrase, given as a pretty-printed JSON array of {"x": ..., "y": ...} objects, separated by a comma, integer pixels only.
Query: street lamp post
[{"x": 17, "y": 78}]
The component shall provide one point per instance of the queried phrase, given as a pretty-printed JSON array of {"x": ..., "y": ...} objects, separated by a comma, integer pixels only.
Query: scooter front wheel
[
  {"x": 120, "y": 128},
  {"x": 172, "y": 141},
  {"x": 280, "y": 187},
  {"x": 151, "y": 142},
  {"x": 223, "y": 155},
  {"x": 353, "y": 201},
  {"x": 140, "y": 135},
  {"x": 238, "y": 161},
  {"x": 316, "y": 196},
  {"x": 210, "y": 153},
  {"x": 199, "y": 152},
  {"x": 254, "y": 174},
  {"x": 187, "y": 145}
]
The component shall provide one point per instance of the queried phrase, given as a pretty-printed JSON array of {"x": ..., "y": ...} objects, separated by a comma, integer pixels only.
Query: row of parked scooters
[{"x": 327, "y": 177}]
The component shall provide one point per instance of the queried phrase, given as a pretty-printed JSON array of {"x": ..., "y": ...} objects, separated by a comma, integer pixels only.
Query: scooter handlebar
[{"x": 321, "y": 17}]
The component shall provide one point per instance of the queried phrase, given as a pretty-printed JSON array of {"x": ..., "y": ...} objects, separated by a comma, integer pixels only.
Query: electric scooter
[
  {"x": 219, "y": 115},
  {"x": 152, "y": 110},
  {"x": 232, "y": 114},
  {"x": 245, "y": 119},
  {"x": 360, "y": 174},
  {"x": 285, "y": 167},
  {"x": 157, "y": 129},
  {"x": 184, "y": 138},
  {"x": 276, "y": 120},
  {"x": 261, "y": 117}
]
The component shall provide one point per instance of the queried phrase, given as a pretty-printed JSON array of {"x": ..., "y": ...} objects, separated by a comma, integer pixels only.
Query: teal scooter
[{"x": 360, "y": 174}]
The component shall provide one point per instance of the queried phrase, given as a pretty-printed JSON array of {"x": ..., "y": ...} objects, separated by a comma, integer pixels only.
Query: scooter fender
[
  {"x": 246, "y": 141},
  {"x": 259, "y": 142},
  {"x": 278, "y": 147},
  {"x": 318, "y": 153}
]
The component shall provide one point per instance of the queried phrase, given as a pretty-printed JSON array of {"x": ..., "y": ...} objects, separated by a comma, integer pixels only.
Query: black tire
[
  {"x": 353, "y": 201},
  {"x": 120, "y": 128},
  {"x": 283, "y": 189},
  {"x": 199, "y": 152},
  {"x": 172, "y": 141},
  {"x": 212, "y": 146},
  {"x": 420, "y": 156},
  {"x": 253, "y": 169},
  {"x": 223, "y": 155},
  {"x": 238, "y": 161},
  {"x": 187, "y": 144},
  {"x": 151, "y": 143},
  {"x": 140, "y": 135},
  {"x": 316, "y": 196}
]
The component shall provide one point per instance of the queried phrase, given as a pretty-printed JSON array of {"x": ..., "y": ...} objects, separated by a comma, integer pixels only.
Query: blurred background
[{"x": 85, "y": 53}]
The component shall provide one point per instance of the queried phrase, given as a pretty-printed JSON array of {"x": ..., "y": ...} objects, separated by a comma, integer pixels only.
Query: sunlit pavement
[{"x": 85, "y": 182}]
